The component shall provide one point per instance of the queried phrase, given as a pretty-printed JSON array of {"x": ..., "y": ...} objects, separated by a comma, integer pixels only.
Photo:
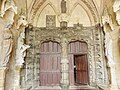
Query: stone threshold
[{"x": 83, "y": 87}]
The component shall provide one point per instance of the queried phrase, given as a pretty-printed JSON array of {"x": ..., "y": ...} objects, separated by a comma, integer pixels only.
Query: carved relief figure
[
  {"x": 8, "y": 10},
  {"x": 108, "y": 48},
  {"x": 63, "y": 6},
  {"x": 6, "y": 46}
]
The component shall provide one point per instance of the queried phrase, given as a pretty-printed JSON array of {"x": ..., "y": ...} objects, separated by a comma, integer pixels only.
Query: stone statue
[
  {"x": 22, "y": 54},
  {"x": 116, "y": 8},
  {"x": 107, "y": 18},
  {"x": 108, "y": 48},
  {"x": 63, "y": 6},
  {"x": 21, "y": 48},
  {"x": 8, "y": 10},
  {"x": 6, "y": 5},
  {"x": 6, "y": 46}
]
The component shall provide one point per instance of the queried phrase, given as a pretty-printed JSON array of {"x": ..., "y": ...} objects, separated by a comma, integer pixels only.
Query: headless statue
[{"x": 63, "y": 6}]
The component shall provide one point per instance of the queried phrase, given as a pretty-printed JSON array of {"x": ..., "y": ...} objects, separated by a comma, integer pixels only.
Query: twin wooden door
[{"x": 50, "y": 63}]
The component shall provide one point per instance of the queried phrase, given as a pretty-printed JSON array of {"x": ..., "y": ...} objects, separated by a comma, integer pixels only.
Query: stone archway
[{"x": 93, "y": 36}]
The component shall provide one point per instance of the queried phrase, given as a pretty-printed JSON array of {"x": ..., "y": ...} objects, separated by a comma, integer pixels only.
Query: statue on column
[
  {"x": 6, "y": 46},
  {"x": 108, "y": 48},
  {"x": 63, "y": 6},
  {"x": 21, "y": 49},
  {"x": 8, "y": 10}
]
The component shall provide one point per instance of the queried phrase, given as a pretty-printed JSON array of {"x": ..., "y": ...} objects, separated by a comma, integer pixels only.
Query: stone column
[
  {"x": 64, "y": 65},
  {"x": 17, "y": 77},
  {"x": 2, "y": 78}
]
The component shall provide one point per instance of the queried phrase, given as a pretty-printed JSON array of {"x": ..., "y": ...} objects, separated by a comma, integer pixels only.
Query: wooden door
[
  {"x": 76, "y": 48},
  {"x": 81, "y": 69},
  {"x": 50, "y": 64}
]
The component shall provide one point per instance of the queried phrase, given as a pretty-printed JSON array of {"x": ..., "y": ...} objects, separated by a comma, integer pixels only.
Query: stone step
[
  {"x": 70, "y": 88},
  {"x": 84, "y": 87}
]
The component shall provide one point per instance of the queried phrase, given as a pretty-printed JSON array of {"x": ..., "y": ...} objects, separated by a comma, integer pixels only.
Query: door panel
[
  {"x": 81, "y": 69},
  {"x": 50, "y": 64}
]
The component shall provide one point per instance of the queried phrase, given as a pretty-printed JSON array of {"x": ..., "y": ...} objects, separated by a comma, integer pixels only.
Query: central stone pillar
[
  {"x": 2, "y": 78},
  {"x": 64, "y": 65}
]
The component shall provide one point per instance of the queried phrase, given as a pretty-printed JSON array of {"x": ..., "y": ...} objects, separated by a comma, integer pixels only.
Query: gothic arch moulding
[
  {"x": 88, "y": 9},
  {"x": 41, "y": 9},
  {"x": 34, "y": 6},
  {"x": 78, "y": 17}
]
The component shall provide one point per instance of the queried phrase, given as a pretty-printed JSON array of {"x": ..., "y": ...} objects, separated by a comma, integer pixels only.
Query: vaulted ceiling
[{"x": 33, "y": 8}]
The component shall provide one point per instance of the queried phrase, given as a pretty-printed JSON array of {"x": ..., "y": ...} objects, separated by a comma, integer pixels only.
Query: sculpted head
[{"x": 22, "y": 21}]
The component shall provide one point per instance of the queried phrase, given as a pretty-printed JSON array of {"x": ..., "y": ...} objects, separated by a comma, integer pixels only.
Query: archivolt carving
[
  {"x": 92, "y": 11},
  {"x": 36, "y": 7}
]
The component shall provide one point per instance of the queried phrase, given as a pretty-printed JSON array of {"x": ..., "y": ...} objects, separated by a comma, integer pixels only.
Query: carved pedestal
[
  {"x": 17, "y": 78},
  {"x": 2, "y": 78},
  {"x": 64, "y": 66}
]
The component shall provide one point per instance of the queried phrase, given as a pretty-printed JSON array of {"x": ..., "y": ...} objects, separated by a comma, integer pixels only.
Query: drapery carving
[{"x": 6, "y": 46}]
